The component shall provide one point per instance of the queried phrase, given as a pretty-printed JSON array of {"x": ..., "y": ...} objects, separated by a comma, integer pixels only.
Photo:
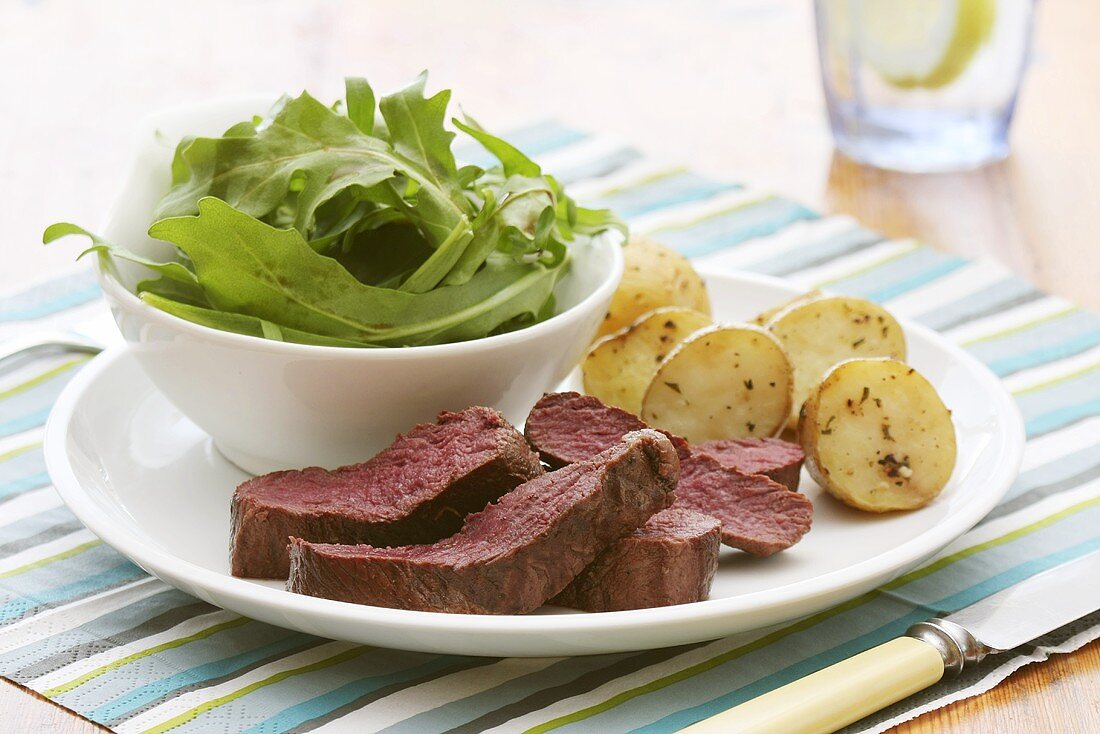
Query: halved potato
[
  {"x": 722, "y": 382},
  {"x": 618, "y": 369},
  {"x": 654, "y": 276},
  {"x": 877, "y": 436},
  {"x": 821, "y": 332}
]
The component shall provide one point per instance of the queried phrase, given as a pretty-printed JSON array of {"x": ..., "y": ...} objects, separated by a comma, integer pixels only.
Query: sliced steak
[
  {"x": 515, "y": 554},
  {"x": 670, "y": 560},
  {"x": 758, "y": 515},
  {"x": 773, "y": 457},
  {"x": 566, "y": 427},
  {"x": 418, "y": 490}
]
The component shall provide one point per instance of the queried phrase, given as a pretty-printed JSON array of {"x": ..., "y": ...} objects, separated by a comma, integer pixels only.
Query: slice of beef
[
  {"x": 515, "y": 554},
  {"x": 758, "y": 515},
  {"x": 418, "y": 490},
  {"x": 566, "y": 427},
  {"x": 670, "y": 560},
  {"x": 774, "y": 458}
]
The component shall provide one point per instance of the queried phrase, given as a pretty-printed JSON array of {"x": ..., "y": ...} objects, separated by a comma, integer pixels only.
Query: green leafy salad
[{"x": 352, "y": 225}]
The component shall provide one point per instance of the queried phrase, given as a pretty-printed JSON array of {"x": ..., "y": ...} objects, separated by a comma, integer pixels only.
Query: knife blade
[
  {"x": 49, "y": 341},
  {"x": 90, "y": 336},
  {"x": 843, "y": 693},
  {"x": 1032, "y": 608}
]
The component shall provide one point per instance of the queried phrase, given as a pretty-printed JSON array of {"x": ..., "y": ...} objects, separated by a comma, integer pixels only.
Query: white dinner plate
[{"x": 151, "y": 485}]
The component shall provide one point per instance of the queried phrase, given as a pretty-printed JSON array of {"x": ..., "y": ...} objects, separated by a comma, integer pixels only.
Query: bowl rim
[{"x": 611, "y": 240}]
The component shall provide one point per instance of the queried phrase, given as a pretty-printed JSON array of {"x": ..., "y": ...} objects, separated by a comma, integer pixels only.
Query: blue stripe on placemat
[
  {"x": 683, "y": 187},
  {"x": 909, "y": 282},
  {"x": 218, "y": 669},
  {"x": 1063, "y": 417},
  {"x": 23, "y": 484},
  {"x": 668, "y": 688},
  {"x": 22, "y": 470},
  {"x": 897, "y": 276},
  {"x": 535, "y": 140},
  {"x": 816, "y": 252},
  {"x": 1082, "y": 466},
  {"x": 24, "y": 422},
  {"x": 728, "y": 229},
  {"x": 992, "y": 299},
  {"x": 37, "y": 529},
  {"x": 1065, "y": 393},
  {"x": 51, "y": 297},
  {"x": 215, "y": 655},
  {"x": 318, "y": 706},
  {"x": 79, "y": 585},
  {"x": 59, "y": 647},
  {"x": 27, "y": 404},
  {"x": 1061, "y": 349},
  {"x": 1025, "y": 346}
]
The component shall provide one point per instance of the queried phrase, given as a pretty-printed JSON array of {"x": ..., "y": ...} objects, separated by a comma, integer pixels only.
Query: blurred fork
[{"x": 60, "y": 341}]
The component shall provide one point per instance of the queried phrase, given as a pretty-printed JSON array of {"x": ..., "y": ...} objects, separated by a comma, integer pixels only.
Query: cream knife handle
[{"x": 836, "y": 696}]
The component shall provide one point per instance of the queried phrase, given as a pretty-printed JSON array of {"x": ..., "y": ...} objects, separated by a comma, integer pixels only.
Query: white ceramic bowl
[{"x": 271, "y": 405}]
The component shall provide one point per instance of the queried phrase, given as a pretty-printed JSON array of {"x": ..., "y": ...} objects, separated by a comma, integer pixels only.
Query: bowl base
[{"x": 255, "y": 465}]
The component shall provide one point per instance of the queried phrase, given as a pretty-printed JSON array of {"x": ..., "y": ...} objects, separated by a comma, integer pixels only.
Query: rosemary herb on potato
[{"x": 877, "y": 436}]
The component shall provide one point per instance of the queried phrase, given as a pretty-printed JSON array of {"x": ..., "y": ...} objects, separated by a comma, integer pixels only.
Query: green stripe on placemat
[{"x": 88, "y": 629}]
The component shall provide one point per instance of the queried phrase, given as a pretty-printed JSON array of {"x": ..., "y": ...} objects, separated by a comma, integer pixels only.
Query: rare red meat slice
[
  {"x": 758, "y": 515},
  {"x": 418, "y": 490},
  {"x": 774, "y": 458},
  {"x": 566, "y": 427},
  {"x": 515, "y": 554},
  {"x": 670, "y": 560}
]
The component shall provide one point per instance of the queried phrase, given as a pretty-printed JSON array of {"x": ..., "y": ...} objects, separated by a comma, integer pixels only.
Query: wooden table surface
[{"x": 729, "y": 87}]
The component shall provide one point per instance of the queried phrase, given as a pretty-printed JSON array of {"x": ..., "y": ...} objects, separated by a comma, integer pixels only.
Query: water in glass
[{"x": 922, "y": 85}]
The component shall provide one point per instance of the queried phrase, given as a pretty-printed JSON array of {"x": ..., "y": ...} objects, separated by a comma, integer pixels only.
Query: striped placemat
[{"x": 86, "y": 628}]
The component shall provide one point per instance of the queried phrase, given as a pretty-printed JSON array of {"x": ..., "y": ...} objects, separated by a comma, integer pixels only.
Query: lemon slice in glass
[{"x": 916, "y": 43}]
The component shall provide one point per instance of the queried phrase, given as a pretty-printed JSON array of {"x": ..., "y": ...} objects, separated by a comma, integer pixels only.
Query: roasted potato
[
  {"x": 619, "y": 367},
  {"x": 877, "y": 436},
  {"x": 655, "y": 276},
  {"x": 820, "y": 332},
  {"x": 722, "y": 382}
]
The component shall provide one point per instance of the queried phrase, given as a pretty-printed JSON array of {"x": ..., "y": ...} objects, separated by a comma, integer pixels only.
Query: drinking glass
[{"x": 923, "y": 85}]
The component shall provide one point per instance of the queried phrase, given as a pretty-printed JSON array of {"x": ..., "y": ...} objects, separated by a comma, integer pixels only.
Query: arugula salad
[{"x": 352, "y": 225}]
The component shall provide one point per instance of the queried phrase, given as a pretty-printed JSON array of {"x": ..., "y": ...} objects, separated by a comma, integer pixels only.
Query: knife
[
  {"x": 843, "y": 693},
  {"x": 90, "y": 336},
  {"x": 45, "y": 342}
]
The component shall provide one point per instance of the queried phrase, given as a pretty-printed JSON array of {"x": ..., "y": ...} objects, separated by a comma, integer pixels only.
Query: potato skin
[
  {"x": 620, "y": 366},
  {"x": 654, "y": 276},
  {"x": 877, "y": 436}
]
